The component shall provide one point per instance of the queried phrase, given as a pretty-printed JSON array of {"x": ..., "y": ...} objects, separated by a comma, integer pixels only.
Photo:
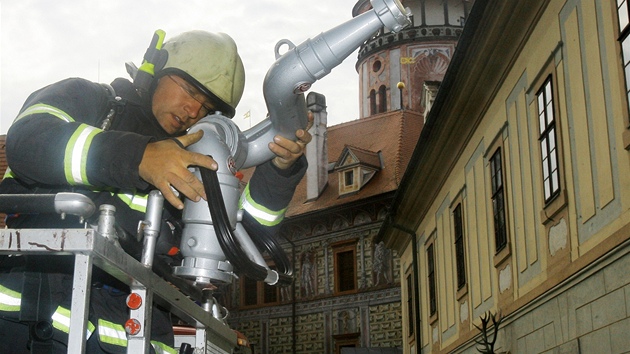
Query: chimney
[{"x": 317, "y": 149}]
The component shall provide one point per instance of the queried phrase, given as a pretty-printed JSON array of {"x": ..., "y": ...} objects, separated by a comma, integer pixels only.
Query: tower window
[
  {"x": 376, "y": 67},
  {"x": 382, "y": 98},
  {"x": 373, "y": 102}
]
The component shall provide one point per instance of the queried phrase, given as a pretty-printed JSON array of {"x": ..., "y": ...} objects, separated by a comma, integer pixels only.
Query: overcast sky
[{"x": 44, "y": 41}]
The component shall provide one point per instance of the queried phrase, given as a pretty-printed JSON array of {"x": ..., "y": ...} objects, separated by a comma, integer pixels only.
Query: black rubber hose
[
  {"x": 266, "y": 241},
  {"x": 28, "y": 203},
  {"x": 221, "y": 222},
  {"x": 279, "y": 256},
  {"x": 284, "y": 280}
]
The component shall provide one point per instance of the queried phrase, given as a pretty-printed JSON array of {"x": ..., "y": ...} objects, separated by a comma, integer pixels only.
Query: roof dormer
[{"x": 355, "y": 168}]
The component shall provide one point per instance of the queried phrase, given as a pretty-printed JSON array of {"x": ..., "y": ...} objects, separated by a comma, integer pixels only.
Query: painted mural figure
[
  {"x": 308, "y": 261},
  {"x": 381, "y": 263}
]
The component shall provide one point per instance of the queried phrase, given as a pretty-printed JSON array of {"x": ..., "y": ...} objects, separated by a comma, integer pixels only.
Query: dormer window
[{"x": 355, "y": 168}]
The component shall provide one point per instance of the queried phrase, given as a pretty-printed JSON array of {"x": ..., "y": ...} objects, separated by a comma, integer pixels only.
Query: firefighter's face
[{"x": 177, "y": 105}]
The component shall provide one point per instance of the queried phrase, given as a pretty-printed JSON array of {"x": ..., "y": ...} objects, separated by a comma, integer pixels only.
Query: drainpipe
[
  {"x": 293, "y": 292},
  {"x": 293, "y": 305},
  {"x": 414, "y": 246}
]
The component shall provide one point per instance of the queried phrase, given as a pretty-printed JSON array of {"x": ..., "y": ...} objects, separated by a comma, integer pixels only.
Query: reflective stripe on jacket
[
  {"x": 61, "y": 321},
  {"x": 262, "y": 214},
  {"x": 161, "y": 348},
  {"x": 75, "y": 161},
  {"x": 10, "y": 301},
  {"x": 44, "y": 108},
  {"x": 115, "y": 334},
  {"x": 108, "y": 332},
  {"x": 78, "y": 145},
  {"x": 136, "y": 202},
  {"x": 112, "y": 333}
]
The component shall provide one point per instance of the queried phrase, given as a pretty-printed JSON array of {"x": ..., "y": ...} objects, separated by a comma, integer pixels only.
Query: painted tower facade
[{"x": 403, "y": 70}]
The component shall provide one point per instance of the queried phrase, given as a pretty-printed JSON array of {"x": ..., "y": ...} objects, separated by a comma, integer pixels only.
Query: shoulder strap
[{"x": 116, "y": 104}]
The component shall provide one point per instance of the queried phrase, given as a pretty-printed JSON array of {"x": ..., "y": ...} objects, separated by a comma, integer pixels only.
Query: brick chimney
[{"x": 317, "y": 149}]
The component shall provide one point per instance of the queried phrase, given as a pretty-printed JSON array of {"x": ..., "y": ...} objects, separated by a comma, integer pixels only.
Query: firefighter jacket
[{"x": 55, "y": 144}]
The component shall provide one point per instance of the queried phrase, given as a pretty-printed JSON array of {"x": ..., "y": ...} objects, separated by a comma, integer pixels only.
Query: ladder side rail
[
  {"x": 80, "y": 306},
  {"x": 114, "y": 260}
]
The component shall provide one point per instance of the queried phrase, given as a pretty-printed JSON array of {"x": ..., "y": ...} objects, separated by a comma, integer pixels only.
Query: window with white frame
[
  {"x": 460, "y": 258},
  {"x": 410, "y": 313},
  {"x": 432, "y": 280},
  {"x": 498, "y": 201},
  {"x": 548, "y": 142},
  {"x": 624, "y": 38}
]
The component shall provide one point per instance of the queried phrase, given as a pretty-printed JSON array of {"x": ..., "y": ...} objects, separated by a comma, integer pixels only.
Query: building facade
[
  {"x": 516, "y": 204},
  {"x": 346, "y": 292}
]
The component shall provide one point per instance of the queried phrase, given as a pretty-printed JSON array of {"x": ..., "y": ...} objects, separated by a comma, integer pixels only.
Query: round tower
[{"x": 403, "y": 70}]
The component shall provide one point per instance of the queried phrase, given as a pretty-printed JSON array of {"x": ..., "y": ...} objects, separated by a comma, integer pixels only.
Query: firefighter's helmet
[{"x": 210, "y": 62}]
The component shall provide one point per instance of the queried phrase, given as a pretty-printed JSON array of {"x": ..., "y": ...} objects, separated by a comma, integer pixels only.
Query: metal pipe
[
  {"x": 294, "y": 72},
  {"x": 151, "y": 226},
  {"x": 416, "y": 298},
  {"x": 106, "y": 221}
]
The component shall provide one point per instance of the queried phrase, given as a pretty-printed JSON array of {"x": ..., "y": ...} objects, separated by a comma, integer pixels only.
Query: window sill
[
  {"x": 463, "y": 291},
  {"x": 433, "y": 318},
  {"x": 502, "y": 255},
  {"x": 553, "y": 207},
  {"x": 346, "y": 292},
  {"x": 625, "y": 137}
]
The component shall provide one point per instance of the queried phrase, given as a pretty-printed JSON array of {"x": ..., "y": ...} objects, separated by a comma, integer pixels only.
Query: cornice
[{"x": 414, "y": 35}]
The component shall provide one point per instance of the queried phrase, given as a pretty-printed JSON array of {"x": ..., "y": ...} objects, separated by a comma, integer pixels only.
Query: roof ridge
[{"x": 360, "y": 149}]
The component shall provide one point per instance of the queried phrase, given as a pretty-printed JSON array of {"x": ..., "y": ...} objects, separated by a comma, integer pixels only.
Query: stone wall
[
  {"x": 375, "y": 317},
  {"x": 386, "y": 325},
  {"x": 590, "y": 313}
]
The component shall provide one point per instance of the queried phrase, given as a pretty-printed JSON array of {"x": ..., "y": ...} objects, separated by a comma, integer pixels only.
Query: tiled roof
[{"x": 394, "y": 134}]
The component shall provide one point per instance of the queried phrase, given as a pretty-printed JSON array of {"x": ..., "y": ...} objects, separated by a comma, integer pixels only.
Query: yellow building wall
[{"x": 575, "y": 42}]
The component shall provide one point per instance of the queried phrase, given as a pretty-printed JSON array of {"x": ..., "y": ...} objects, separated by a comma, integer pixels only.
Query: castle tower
[{"x": 403, "y": 70}]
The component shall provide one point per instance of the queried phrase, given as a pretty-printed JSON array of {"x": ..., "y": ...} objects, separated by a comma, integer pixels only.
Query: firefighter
[{"x": 58, "y": 142}]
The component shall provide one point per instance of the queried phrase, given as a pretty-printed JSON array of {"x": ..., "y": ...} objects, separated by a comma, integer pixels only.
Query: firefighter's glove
[
  {"x": 288, "y": 151},
  {"x": 165, "y": 164}
]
